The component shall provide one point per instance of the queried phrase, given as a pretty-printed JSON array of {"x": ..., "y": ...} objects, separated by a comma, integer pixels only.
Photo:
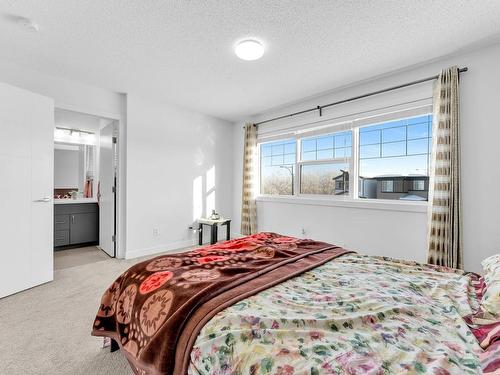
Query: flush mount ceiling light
[{"x": 249, "y": 49}]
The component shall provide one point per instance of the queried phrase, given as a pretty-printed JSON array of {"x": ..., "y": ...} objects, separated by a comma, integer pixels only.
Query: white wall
[
  {"x": 170, "y": 151},
  {"x": 67, "y": 169},
  {"x": 396, "y": 233},
  {"x": 368, "y": 231}
]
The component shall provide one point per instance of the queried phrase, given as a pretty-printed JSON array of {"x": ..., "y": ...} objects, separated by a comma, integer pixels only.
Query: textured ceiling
[{"x": 182, "y": 51}]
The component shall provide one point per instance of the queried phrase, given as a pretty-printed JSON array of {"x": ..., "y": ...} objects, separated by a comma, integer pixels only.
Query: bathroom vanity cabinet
[{"x": 76, "y": 223}]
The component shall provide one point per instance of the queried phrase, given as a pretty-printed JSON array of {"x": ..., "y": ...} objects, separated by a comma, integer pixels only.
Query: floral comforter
[{"x": 353, "y": 315}]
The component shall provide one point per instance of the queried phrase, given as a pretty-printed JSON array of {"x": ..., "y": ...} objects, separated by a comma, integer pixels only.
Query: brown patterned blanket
[{"x": 155, "y": 310}]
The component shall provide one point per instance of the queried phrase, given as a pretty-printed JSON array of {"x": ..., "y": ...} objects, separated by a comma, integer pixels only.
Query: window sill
[{"x": 379, "y": 204}]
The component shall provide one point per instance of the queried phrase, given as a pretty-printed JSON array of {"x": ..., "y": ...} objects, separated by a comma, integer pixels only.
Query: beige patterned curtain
[
  {"x": 248, "y": 205},
  {"x": 444, "y": 236}
]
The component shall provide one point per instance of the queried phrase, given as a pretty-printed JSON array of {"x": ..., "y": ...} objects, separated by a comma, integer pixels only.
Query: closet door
[
  {"x": 107, "y": 191},
  {"x": 26, "y": 189}
]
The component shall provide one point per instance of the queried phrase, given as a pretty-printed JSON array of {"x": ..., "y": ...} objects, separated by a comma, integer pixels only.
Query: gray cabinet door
[{"x": 83, "y": 228}]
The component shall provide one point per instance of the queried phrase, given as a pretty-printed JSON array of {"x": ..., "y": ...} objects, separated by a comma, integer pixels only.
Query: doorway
[{"x": 85, "y": 185}]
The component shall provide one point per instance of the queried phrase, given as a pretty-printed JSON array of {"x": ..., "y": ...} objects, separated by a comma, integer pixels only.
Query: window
[
  {"x": 390, "y": 161},
  {"x": 387, "y": 186},
  {"x": 325, "y": 164},
  {"x": 324, "y": 178},
  {"x": 277, "y": 167},
  {"x": 398, "y": 149},
  {"x": 418, "y": 185},
  {"x": 331, "y": 146}
]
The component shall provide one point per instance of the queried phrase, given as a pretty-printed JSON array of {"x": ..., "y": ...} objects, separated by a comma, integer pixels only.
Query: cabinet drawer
[
  {"x": 75, "y": 208},
  {"x": 61, "y": 238},
  {"x": 61, "y": 222}
]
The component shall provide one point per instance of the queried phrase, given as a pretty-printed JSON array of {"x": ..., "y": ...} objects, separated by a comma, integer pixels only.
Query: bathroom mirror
[{"x": 74, "y": 170}]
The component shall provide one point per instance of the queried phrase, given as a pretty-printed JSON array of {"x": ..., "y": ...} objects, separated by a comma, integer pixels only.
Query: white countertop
[
  {"x": 74, "y": 201},
  {"x": 204, "y": 220}
]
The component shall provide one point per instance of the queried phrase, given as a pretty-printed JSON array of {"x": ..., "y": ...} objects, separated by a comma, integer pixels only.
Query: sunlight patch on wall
[
  {"x": 197, "y": 197},
  {"x": 210, "y": 191},
  {"x": 210, "y": 179}
]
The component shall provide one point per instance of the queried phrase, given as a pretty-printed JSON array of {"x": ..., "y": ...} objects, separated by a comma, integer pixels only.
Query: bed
[{"x": 272, "y": 304}]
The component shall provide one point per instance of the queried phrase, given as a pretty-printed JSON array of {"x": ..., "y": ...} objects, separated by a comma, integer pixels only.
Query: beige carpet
[{"x": 46, "y": 330}]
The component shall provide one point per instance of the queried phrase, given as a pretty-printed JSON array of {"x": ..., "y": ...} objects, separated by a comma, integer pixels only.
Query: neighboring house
[
  {"x": 342, "y": 183},
  {"x": 395, "y": 187}
]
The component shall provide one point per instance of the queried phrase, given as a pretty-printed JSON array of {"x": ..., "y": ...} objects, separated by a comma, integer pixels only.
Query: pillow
[
  {"x": 491, "y": 265},
  {"x": 490, "y": 302}
]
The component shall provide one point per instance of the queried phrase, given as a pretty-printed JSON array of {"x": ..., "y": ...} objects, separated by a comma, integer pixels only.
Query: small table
[{"x": 213, "y": 229}]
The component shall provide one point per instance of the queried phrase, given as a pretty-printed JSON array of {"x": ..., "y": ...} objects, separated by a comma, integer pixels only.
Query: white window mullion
[
  {"x": 296, "y": 179},
  {"x": 354, "y": 177}
]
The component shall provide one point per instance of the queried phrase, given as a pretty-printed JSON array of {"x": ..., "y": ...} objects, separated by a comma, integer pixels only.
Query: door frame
[{"x": 120, "y": 221}]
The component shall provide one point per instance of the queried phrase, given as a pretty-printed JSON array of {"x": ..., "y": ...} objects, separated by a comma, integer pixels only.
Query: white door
[
  {"x": 107, "y": 178},
  {"x": 26, "y": 189}
]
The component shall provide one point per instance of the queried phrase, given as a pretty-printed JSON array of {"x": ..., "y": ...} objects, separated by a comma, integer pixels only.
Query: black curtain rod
[{"x": 319, "y": 108}]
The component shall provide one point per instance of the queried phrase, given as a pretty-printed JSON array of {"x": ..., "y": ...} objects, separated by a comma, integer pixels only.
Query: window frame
[
  {"x": 353, "y": 161},
  {"x": 258, "y": 165},
  {"x": 385, "y": 190},
  {"x": 417, "y": 180},
  {"x": 334, "y": 160},
  {"x": 300, "y": 164}
]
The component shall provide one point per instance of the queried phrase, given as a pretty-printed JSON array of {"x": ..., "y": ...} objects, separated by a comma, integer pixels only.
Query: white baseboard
[{"x": 166, "y": 248}]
